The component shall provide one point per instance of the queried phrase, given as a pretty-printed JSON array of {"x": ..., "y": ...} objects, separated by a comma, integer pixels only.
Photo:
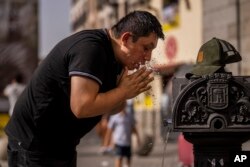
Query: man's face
[{"x": 140, "y": 51}]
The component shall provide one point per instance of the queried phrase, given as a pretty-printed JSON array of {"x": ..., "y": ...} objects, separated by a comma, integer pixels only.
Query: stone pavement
[
  {"x": 88, "y": 155},
  {"x": 3, "y": 163}
]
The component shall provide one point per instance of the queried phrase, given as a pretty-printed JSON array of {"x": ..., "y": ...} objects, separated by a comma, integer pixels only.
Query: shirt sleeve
[{"x": 87, "y": 59}]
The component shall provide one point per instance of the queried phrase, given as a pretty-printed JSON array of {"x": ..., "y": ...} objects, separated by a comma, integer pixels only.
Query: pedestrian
[
  {"x": 84, "y": 77},
  {"x": 121, "y": 127},
  {"x": 13, "y": 91},
  {"x": 108, "y": 148}
]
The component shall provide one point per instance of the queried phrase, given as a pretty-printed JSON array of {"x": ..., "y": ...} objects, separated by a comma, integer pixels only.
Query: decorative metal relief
[{"x": 213, "y": 102}]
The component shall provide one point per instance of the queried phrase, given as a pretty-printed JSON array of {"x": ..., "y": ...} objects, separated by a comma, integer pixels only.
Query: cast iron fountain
[{"x": 212, "y": 109}]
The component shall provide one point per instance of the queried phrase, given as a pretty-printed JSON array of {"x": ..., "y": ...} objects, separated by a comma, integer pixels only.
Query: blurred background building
[
  {"x": 18, "y": 39},
  {"x": 187, "y": 24}
]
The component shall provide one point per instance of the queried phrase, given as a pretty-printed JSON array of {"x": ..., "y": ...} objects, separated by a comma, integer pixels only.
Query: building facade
[
  {"x": 18, "y": 39},
  {"x": 196, "y": 21},
  {"x": 229, "y": 20}
]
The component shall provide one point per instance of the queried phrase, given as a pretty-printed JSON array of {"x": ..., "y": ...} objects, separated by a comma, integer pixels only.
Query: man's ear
[{"x": 125, "y": 37}]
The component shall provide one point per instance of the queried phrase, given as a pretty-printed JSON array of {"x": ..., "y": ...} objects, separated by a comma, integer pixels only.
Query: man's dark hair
[{"x": 140, "y": 23}]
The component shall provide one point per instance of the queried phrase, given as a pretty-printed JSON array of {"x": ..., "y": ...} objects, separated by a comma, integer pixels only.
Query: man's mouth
[
  {"x": 139, "y": 65},
  {"x": 136, "y": 66}
]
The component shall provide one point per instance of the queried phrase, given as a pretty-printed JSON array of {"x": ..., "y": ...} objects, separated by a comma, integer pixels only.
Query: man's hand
[
  {"x": 86, "y": 101},
  {"x": 136, "y": 83}
]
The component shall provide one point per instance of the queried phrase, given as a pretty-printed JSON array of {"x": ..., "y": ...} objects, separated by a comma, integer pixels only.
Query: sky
[{"x": 54, "y": 24}]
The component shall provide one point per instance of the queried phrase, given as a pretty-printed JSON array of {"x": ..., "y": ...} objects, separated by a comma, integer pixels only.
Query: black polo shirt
[{"x": 42, "y": 118}]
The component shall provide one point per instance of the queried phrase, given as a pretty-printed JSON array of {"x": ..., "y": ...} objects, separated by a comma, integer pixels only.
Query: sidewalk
[
  {"x": 3, "y": 164},
  {"x": 3, "y": 147},
  {"x": 88, "y": 155}
]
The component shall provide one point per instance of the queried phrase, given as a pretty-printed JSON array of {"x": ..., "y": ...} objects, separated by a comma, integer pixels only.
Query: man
[{"x": 82, "y": 78}]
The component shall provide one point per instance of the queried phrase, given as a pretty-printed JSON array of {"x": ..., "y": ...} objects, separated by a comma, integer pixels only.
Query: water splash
[
  {"x": 167, "y": 131},
  {"x": 149, "y": 66}
]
